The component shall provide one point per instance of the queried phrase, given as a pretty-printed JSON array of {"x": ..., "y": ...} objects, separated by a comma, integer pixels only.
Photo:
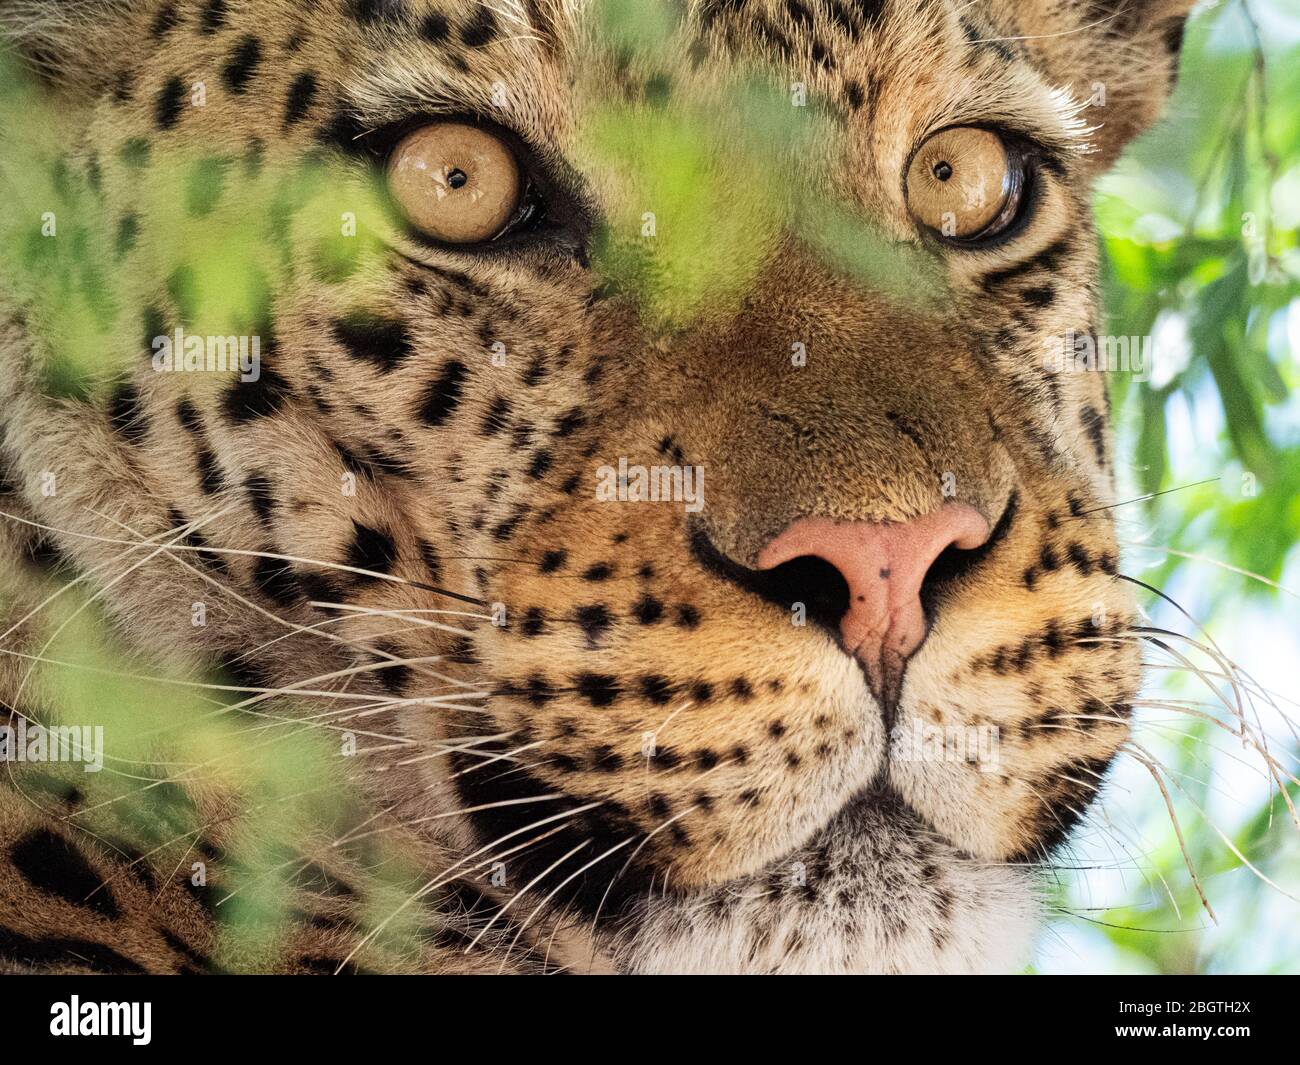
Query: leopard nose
[{"x": 884, "y": 565}]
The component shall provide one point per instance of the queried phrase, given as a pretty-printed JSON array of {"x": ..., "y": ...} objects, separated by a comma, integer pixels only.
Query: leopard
[{"x": 631, "y": 732}]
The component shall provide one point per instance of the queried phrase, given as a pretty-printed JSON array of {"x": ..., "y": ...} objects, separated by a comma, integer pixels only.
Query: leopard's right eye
[
  {"x": 455, "y": 182},
  {"x": 964, "y": 183}
]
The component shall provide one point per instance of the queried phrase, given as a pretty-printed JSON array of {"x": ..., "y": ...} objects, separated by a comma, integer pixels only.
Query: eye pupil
[
  {"x": 942, "y": 170},
  {"x": 457, "y": 178}
]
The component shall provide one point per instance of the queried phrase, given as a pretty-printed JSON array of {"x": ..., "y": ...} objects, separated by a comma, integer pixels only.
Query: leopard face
[{"x": 655, "y": 722}]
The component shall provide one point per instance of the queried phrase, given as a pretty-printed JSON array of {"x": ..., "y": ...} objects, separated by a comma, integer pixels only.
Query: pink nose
[{"x": 884, "y": 565}]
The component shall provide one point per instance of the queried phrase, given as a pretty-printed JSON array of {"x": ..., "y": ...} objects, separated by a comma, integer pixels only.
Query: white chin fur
[{"x": 873, "y": 892}]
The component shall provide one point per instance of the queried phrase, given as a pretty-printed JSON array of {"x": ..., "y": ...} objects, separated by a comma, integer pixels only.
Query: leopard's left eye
[
  {"x": 455, "y": 182},
  {"x": 964, "y": 183}
]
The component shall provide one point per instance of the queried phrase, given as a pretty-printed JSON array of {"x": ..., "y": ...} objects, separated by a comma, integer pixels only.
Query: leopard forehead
[{"x": 426, "y": 451}]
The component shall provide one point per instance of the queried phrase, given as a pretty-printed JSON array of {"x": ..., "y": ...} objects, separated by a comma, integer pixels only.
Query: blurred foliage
[
  {"x": 1199, "y": 223},
  {"x": 706, "y": 171},
  {"x": 191, "y": 757},
  {"x": 223, "y": 236}
]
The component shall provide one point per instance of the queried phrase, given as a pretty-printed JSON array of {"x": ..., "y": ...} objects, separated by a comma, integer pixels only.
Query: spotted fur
[{"x": 764, "y": 827}]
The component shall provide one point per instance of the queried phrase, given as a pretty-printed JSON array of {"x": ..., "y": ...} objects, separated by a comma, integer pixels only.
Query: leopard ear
[{"x": 1119, "y": 56}]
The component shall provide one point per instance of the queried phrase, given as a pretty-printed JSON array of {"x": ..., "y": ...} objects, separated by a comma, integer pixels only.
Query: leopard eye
[
  {"x": 455, "y": 182},
  {"x": 963, "y": 183}
]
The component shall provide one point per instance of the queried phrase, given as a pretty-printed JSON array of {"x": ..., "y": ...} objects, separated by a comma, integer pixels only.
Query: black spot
[
  {"x": 1045, "y": 260},
  {"x": 542, "y": 462},
  {"x": 277, "y": 580},
  {"x": 242, "y": 65},
  {"x": 383, "y": 342},
  {"x": 188, "y": 415},
  {"x": 125, "y": 414},
  {"x": 302, "y": 93},
  {"x": 429, "y": 556},
  {"x": 480, "y": 29},
  {"x": 658, "y": 89},
  {"x": 570, "y": 421},
  {"x": 164, "y": 22},
  {"x": 211, "y": 480},
  {"x": 60, "y": 953},
  {"x": 647, "y": 610},
  {"x": 667, "y": 758},
  {"x": 656, "y": 688},
  {"x": 594, "y": 621},
  {"x": 261, "y": 495},
  {"x": 203, "y": 186},
  {"x": 213, "y": 17},
  {"x": 497, "y": 416},
  {"x": 53, "y": 865},
  {"x": 135, "y": 153},
  {"x": 687, "y": 616},
  {"x": 1080, "y": 558},
  {"x": 197, "y": 541},
  {"x": 247, "y": 400},
  {"x": 605, "y": 759},
  {"x": 168, "y": 103},
  {"x": 853, "y": 91},
  {"x": 434, "y": 28},
  {"x": 552, "y": 561},
  {"x": 123, "y": 87},
  {"x": 128, "y": 230},
  {"x": 444, "y": 394},
  {"x": 394, "y": 677},
  {"x": 1095, "y": 426},
  {"x": 371, "y": 11},
  {"x": 599, "y": 689},
  {"x": 1040, "y": 296},
  {"x": 534, "y": 371},
  {"x": 320, "y": 588},
  {"x": 195, "y": 957},
  {"x": 534, "y": 623},
  {"x": 564, "y": 763},
  {"x": 701, "y": 691},
  {"x": 506, "y": 529},
  {"x": 371, "y": 549},
  {"x": 1173, "y": 35},
  {"x": 799, "y": 13},
  {"x": 601, "y": 571},
  {"x": 343, "y": 131}
]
